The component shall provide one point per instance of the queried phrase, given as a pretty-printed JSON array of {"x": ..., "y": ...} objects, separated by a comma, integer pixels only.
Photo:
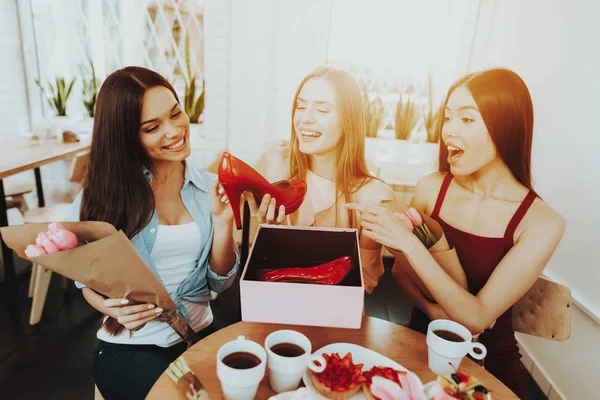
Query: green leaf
[
  {"x": 69, "y": 90},
  {"x": 188, "y": 64},
  {"x": 189, "y": 99}
]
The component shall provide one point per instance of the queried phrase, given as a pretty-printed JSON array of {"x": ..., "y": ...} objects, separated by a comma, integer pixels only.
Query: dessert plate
[{"x": 360, "y": 355}]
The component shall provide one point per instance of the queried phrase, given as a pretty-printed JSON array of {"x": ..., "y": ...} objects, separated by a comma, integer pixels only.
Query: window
[
  {"x": 113, "y": 34},
  {"x": 404, "y": 54}
]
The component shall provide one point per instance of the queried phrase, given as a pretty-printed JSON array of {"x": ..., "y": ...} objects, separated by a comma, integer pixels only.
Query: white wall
[
  {"x": 13, "y": 97},
  {"x": 273, "y": 45},
  {"x": 213, "y": 133},
  {"x": 553, "y": 45}
]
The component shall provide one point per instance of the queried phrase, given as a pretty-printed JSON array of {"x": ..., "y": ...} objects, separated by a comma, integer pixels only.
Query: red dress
[{"x": 479, "y": 256}]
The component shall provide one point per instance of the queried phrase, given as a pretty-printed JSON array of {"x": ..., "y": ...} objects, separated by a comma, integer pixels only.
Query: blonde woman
[{"x": 327, "y": 149}]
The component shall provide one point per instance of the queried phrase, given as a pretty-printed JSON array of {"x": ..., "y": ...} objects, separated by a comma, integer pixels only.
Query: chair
[
  {"x": 16, "y": 191},
  {"x": 544, "y": 311},
  {"x": 40, "y": 277}
]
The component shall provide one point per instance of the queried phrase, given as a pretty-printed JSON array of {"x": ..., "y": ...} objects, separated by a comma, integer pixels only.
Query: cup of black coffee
[
  {"x": 288, "y": 355},
  {"x": 241, "y": 365},
  {"x": 448, "y": 343}
]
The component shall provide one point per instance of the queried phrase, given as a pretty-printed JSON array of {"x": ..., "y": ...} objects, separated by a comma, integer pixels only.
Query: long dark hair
[
  {"x": 507, "y": 110},
  {"x": 115, "y": 189}
]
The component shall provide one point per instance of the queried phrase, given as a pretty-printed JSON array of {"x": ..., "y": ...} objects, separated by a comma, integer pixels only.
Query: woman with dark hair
[
  {"x": 175, "y": 216},
  {"x": 483, "y": 198}
]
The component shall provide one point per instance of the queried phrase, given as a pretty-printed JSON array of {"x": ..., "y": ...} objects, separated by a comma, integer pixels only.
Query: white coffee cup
[
  {"x": 444, "y": 355},
  {"x": 285, "y": 372},
  {"x": 240, "y": 384}
]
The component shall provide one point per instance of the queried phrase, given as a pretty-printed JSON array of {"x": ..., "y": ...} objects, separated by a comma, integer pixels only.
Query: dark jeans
[{"x": 128, "y": 372}]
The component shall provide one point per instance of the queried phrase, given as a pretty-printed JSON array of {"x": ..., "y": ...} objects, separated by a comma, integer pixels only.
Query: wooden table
[
  {"x": 401, "y": 344},
  {"x": 21, "y": 155}
]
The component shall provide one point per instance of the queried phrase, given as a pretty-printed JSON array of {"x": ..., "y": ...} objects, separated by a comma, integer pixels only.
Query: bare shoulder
[
  {"x": 541, "y": 219},
  {"x": 374, "y": 192},
  {"x": 274, "y": 163},
  {"x": 427, "y": 190},
  {"x": 276, "y": 155}
]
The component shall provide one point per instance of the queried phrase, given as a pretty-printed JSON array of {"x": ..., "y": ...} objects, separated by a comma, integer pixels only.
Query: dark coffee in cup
[
  {"x": 287, "y": 349},
  {"x": 448, "y": 335},
  {"x": 241, "y": 360}
]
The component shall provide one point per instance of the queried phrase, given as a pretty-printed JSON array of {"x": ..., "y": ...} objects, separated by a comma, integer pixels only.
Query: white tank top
[{"x": 175, "y": 256}]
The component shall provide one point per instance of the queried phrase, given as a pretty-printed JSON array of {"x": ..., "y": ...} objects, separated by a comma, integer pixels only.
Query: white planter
[
  {"x": 401, "y": 160},
  {"x": 62, "y": 124}
]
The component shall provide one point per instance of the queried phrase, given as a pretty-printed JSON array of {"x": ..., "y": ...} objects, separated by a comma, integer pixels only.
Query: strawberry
[
  {"x": 340, "y": 374},
  {"x": 463, "y": 377}
]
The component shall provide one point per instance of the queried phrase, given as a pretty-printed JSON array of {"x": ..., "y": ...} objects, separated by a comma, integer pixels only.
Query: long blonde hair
[{"x": 352, "y": 172}]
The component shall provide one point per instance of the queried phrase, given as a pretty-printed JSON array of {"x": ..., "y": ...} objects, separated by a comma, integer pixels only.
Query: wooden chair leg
[
  {"x": 34, "y": 269},
  {"x": 40, "y": 290},
  {"x": 22, "y": 203}
]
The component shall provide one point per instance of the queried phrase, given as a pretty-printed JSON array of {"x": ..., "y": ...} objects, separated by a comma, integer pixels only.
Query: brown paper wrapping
[
  {"x": 191, "y": 386},
  {"x": 108, "y": 264},
  {"x": 441, "y": 251}
]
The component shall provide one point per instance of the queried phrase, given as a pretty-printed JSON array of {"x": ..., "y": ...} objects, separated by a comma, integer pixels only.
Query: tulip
[
  {"x": 414, "y": 221},
  {"x": 56, "y": 226},
  {"x": 34, "y": 251},
  {"x": 385, "y": 389},
  {"x": 415, "y": 216},
  {"x": 410, "y": 387},
  {"x": 64, "y": 239},
  {"x": 44, "y": 241},
  {"x": 412, "y": 384},
  {"x": 405, "y": 220}
]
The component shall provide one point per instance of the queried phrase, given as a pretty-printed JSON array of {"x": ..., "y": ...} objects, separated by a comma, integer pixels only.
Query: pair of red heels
[
  {"x": 237, "y": 177},
  {"x": 330, "y": 273}
]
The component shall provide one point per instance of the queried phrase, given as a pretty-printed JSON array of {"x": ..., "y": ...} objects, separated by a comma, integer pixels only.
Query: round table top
[{"x": 403, "y": 345}]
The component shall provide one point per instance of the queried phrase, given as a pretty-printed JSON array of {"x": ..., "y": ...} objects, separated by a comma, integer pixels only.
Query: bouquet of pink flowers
[
  {"x": 431, "y": 234},
  {"x": 57, "y": 238},
  {"x": 414, "y": 222},
  {"x": 100, "y": 257}
]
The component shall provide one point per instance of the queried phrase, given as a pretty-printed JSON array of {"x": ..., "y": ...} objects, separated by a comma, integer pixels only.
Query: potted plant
[
  {"x": 89, "y": 93},
  {"x": 376, "y": 111},
  {"x": 193, "y": 96},
  {"x": 57, "y": 96},
  {"x": 432, "y": 116},
  {"x": 406, "y": 117}
]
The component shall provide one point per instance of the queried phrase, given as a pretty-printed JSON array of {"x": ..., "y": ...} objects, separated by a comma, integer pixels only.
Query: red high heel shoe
[
  {"x": 330, "y": 273},
  {"x": 236, "y": 177}
]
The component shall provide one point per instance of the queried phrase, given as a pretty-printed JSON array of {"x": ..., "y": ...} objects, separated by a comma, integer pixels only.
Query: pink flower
[
  {"x": 410, "y": 387},
  {"x": 56, "y": 226},
  {"x": 44, "y": 241},
  {"x": 34, "y": 251},
  {"x": 412, "y": 384},
  {"x": 438, "y": 393},
  {"x": 384, "y": 389},
  {"x": 405, "y": 220},
  {"x": 414, "y": 216},
  {"x": 63, "y": 238}
]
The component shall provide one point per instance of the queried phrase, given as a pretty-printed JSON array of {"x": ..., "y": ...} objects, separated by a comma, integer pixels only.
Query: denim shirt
[{"x": 196, "y": 199}]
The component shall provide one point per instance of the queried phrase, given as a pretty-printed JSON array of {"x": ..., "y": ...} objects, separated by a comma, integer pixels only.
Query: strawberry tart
[{"x": 341, "y": 378}]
